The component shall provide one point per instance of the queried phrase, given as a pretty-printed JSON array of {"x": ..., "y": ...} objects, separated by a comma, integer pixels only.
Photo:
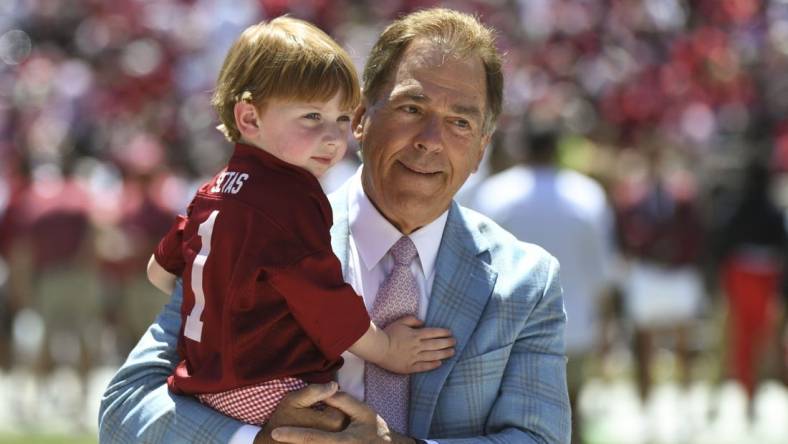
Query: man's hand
[
  {"x": 365, "y": 427},
  {"x": 296, "y": 410}
]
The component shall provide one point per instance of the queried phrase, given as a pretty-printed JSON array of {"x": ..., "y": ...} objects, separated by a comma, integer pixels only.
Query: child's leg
[{"x": 253, "y": 404}]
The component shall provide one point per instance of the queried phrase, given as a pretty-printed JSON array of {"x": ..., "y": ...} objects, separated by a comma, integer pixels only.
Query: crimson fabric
[
  {"x": 53, "y": 217},
  {"x": 659, "y": 221},
  {"x": 276, "y": 304},
  {"x": 752, "y": 298}
]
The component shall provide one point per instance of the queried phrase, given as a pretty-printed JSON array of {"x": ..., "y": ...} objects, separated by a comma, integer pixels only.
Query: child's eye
[
  {"x": 410, "y": 109},
  {"x": 343, "y": 119},
  {"x": 312, "y": 116}
]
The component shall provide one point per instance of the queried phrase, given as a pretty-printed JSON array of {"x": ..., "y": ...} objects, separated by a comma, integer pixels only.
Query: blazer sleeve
[
  {"x": 533, "y": 404},
  {"x": 137, "y": 407}
]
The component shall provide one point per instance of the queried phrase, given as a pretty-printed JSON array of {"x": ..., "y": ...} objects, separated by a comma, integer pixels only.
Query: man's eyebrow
[
  {"x": 472, "y": 111},
  {"x": 467, "y": 110},
  {"x": 407, "y": 95}
]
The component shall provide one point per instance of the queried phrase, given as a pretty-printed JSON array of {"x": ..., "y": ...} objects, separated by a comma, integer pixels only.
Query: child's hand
[{"x": 413, "y": 349}]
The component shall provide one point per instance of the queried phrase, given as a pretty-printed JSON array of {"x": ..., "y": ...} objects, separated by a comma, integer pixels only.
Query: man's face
[{"x": 424, "y": 135}]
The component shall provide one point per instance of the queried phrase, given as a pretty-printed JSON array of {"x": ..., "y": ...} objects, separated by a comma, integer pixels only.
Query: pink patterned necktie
[{"x": 389, "y": 393}]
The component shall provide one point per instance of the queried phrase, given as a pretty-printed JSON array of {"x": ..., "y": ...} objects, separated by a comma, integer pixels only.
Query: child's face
[{"x": 312, "y": 135}]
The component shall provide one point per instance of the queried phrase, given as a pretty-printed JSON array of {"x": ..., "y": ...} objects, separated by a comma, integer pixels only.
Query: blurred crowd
[{"x": 672, "y": 116}]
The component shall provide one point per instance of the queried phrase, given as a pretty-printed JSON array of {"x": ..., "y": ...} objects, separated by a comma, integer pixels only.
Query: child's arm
[
  {"x": 403, "y": 347},
  {"x": 159, "y": 277}
]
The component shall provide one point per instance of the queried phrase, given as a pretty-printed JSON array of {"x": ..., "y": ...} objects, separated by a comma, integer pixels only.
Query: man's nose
[{"x": 429, "y": 138}]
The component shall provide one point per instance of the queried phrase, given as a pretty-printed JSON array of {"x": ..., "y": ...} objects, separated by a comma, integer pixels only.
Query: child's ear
[{"x": 246, "y": 118}]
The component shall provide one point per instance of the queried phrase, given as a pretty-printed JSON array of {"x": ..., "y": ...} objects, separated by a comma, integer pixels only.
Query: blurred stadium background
[{"x": 106, "y": 130}]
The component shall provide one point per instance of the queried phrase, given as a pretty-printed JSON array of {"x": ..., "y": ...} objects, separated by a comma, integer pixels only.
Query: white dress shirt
[{"x": 371, "y": 237}]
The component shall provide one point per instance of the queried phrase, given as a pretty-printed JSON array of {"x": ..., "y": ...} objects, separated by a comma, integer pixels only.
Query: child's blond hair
[{"x": 285, "y": 58}]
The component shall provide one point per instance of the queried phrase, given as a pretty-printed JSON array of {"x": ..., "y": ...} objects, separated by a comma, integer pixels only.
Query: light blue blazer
[{"x": 505, "y": 384}]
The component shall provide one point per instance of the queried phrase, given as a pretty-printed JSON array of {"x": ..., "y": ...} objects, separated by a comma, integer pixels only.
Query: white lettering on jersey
[
  {"x": 239, "y": 182},
  {"x": 229, "y": 182},
  {"x": 193, "y": 327},
  {"x": 218, "y": 185}
]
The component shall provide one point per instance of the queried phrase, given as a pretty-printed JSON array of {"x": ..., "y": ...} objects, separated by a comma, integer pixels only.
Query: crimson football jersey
[{"x": 263, "y": 293}]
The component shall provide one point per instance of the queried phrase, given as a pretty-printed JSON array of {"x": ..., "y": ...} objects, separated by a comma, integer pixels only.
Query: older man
[{"x": 432, "y": 92}]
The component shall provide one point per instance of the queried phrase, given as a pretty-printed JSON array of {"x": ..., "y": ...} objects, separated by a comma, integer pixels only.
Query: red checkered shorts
[{"x": 252, "y": 404}]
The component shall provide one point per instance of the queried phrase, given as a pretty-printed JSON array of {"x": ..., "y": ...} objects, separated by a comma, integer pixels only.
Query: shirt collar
[
  {"x": 270, "y": 161},
  {"x": 374, "y": 235}
]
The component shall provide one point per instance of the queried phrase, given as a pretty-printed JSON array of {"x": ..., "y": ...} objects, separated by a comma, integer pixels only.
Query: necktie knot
[{"x": 403, "y": 251}]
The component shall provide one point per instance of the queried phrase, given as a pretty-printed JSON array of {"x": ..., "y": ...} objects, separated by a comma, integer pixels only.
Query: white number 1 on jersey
[{"x": 193, "y": 328}]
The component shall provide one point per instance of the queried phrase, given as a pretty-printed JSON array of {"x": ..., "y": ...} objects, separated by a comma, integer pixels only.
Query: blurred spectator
[
  {"x": 660, "y": 237},
  {"x": 566, "y": 213},
  {"x": 131, "y": 218},
  {"x": 752, "y": 255},
  {"x": 52, "y": 263},
  {"x": 13, "y": 186}
]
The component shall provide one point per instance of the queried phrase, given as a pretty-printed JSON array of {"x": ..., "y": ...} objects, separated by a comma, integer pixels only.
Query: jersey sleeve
[
  {"x": 169, "y": 252},
  {"x": 326, "y": 307},
  {"x": 308, "y": 275}
]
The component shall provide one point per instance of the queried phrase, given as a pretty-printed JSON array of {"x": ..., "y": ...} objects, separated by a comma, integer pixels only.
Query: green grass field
[{"x": 6, "y": 438}]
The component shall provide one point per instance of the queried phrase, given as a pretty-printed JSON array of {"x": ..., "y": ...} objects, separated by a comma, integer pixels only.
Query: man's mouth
[{"x": 418, "y": 170}]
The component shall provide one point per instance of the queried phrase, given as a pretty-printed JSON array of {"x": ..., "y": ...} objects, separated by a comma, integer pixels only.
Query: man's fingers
[
  {"x": 311, "y": 394},
  {"x": 330, "y": 419},
  {"x": 433, "y": 333},
  {"x": 438, "y": 344},
  {"x": 299, "y": 435},
  {"x": 349, "y": 405}
]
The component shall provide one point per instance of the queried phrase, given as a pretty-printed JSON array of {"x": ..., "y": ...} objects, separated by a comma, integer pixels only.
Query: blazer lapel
[{"x": 463, "y": 284}]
